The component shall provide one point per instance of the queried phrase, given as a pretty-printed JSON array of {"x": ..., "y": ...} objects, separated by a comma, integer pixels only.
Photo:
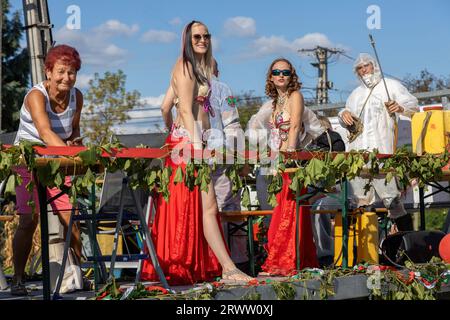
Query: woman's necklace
[{"x": 281, "y": 100}]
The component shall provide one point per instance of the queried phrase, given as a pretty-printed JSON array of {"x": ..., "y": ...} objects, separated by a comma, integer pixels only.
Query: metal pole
[
  {"x": 251, "y": 246},
  {"x": 297, "y": 229},
  {"x": 31, "y": 21},
  {"x": 149, "y": 242},
  {"x": 322, "y": 86},
  {"x": 42, "y": 194},
  {"x": 345, "y": 224},
  {"x": 46, "y": 27},
  {"x": 1, "y": 65},
  {"x": 372, "y": 42},
  {"x": 39, "y": 36},
  {"x": 393, "y": 116},
  {"x": 422, "y": 208}
]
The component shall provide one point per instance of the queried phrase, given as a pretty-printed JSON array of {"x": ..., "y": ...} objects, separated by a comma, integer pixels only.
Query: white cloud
[
  {"x": 94, "y": 47},
  {"x": 240, "y": 27},
  {"x": 279, "y": 45},
  {"x": 115, "y": 28},
  {"x": 139, "y": 127},
  {"x": 175, "y": 21},
  {"x": 270, "y": 45},
  {"x": 153, "y": 101},
  {"x": 129, "y": 128},
  {"x": 312, "y": 40},
  {"x": 83, "y": 80},
  {"x": 158, "y": 36},
  {"x": 150, "y": 114}
]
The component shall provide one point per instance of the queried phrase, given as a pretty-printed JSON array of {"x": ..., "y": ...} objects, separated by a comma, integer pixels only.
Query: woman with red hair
[
  {"x": 290, "y": 129},
  {"x": 50, "y": 115}
]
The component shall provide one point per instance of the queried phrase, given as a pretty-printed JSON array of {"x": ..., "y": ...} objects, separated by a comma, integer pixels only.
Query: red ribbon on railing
[{"x": 154, "y": 153}]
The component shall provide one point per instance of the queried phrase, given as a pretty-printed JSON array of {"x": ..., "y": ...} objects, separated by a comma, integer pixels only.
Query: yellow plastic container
[
  {"x": 106, "y": 243},
  {"x": 436, "y": 135},
  {"x": 365, "y": 228}
]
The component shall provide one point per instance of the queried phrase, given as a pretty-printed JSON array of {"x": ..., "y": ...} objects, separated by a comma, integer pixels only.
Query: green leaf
[
  {"x": 88, "y": 179},
  {"x": 389, "y": 177},
  {"x": 27, "y": 151},
  {"x": 294, "y": 184},
  {"x": 399, "y": 295},
  {"x": 73, "y": 195},
  {"x": 178, "y": 176},
  {"x": 315, "y": 168},
  {"x": 151, "y": 179},
  {"x": 338, "y": 160},
  {"x": 89, "y": 156},
  {"x": 45, "y": 176},
  {"x": 127, "y": 165},
  {"x": 11, "y": 185},
  {"x": 6, "y": 161},
  {"x": 204, "y": 185},
  {"x": 59, "y": 179},
  {"x": 245, "y": 200},
  {"x": 272, "y": 200},
  {"x": 54, "y": 166}
]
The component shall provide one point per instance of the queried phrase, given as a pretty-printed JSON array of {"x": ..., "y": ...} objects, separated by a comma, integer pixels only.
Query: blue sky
[{"x": 143, "y": 39}]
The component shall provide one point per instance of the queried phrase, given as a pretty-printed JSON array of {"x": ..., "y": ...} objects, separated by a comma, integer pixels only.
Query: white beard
[{"x": 370, "y": 80}]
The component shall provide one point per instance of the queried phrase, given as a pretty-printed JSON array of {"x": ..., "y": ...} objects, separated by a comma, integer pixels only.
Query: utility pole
[
  {"x": 323, "y": 85},
  {"x": 3, "y": 282},
  {"x": 39, "y": 36}
]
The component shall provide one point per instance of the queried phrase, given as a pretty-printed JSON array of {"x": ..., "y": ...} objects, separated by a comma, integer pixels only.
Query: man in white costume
[{"x": 370, "y": 104}]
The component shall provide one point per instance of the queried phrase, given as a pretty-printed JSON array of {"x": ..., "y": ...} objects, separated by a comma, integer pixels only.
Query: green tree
[
  {"x": 106, "y": 105},
  {"x": 15, "y": 68},
  {"x": 248, "y": 105},
  {"x": 425, "y": 82}
]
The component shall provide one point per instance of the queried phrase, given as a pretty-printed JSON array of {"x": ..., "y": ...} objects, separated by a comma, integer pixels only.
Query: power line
[
  {"x": 390, "y": 75},
  {"x": 322, "y": 55}
]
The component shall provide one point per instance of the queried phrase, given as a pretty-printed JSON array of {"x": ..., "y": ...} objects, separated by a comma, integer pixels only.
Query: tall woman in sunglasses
[
  {"x": 287, "y": 124},
  {"x": 187, "y": 236}
]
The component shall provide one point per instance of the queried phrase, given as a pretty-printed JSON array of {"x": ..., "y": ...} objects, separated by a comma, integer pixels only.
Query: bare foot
[
  {"x": 235, "y": 276},
  {"x": 264, "y": 274}
]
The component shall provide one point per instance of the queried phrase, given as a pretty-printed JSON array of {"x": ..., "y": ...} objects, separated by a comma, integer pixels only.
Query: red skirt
[
  {"x": 281, "y": 259},
  {"x": 177, "y": 233}
]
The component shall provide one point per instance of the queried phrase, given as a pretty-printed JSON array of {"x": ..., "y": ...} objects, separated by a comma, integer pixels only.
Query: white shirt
[{"x": 379, "y": 126}]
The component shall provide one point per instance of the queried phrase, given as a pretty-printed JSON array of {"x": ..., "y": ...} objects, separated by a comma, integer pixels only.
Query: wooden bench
[
  {"x": 6, "y": 218},
  {"x": 244, "y": 220}
]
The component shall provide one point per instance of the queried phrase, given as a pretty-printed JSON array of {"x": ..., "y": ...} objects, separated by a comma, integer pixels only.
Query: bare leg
[
  {"x": 214, "y": 237},
  {"x": 23, "y": 239}
]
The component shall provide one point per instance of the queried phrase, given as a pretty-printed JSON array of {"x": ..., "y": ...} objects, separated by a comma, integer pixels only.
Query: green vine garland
[{"x": 322, "y": 169}]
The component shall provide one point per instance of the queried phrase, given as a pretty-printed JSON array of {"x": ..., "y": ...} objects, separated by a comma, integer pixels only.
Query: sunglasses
[
  {"x": 285, "y": 72},
  {"x": 198, "y": 37}
]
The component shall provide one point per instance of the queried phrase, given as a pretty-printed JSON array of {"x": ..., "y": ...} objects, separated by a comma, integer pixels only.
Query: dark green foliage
[{"x": 15, "y": 68}]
